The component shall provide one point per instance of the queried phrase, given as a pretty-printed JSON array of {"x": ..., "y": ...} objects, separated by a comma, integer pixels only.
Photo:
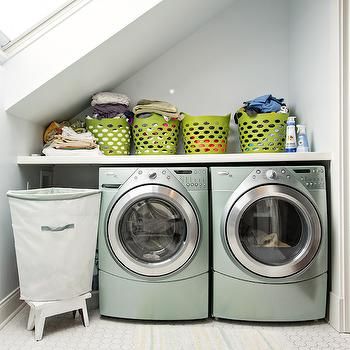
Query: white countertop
[{"x": 175, "y": 159}]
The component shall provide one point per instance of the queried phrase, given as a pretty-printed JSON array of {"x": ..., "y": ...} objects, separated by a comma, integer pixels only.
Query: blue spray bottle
[
  {"x": 303, "y": 144},
  {"x": 291, "y": 140}
]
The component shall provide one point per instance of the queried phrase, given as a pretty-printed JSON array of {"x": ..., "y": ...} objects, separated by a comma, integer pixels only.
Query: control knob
[{"x": 271, "y": 174}]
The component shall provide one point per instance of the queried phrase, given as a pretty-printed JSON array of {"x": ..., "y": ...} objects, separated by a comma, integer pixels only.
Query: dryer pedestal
[
  {"x": 249, "y": 301},
  {"x": 177, "y": 300}
]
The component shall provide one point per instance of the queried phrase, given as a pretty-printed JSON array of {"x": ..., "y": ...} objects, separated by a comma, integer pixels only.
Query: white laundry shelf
[{"x": 175, "y": 159}]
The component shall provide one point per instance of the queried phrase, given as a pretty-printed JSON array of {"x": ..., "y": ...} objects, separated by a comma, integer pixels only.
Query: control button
[
  {"x": 192, "y": 184},
  {"x": 140, "y": 172},
  {"x": 152, "y": 175},
  {"x": 302, "y": 178},
  {"x": 311, "y": 183},
  {"x": 196, "y": 184},
  {"x": 187, "y": 184},
  {"x": 254, "y": 177},
  {"x": 258, "y": 171},
  {"x": 195, "y": 171},
  {"x": 313, "y": 170},
  {"x": 168, "y": 177},
  {"x": 164, "y": 172},
  {"x": 288, "y": 176},
  {"x": 283, "y": 171},
  {"x": 307, "y": 184},
  {"x": 271, "y": 174}
]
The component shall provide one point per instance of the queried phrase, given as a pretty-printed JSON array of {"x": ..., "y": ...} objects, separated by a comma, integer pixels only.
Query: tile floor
[{"x": 65, "y": 333}]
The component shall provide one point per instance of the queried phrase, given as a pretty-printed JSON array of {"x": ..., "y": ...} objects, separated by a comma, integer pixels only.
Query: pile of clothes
[
  {"x": 262, "y": 104},
  {"x": 111, "y": 105},
  {"x": 62, "y": 140},
  {"x": 145, "y": 108}
]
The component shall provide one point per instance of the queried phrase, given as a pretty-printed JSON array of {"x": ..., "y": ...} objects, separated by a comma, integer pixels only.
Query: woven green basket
[
  {"x": 262, "y": 133},
  {"x": 205, "y": 134},
  {"x": 154, "y": 135},
  {"x": 112, "y": 135}
]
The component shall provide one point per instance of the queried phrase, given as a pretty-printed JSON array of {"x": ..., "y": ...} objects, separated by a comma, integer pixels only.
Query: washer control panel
[
  {"x": 192, "y": 179},
  {"x": 195, "y": 179},
  {"x": 310, "y": 177}
]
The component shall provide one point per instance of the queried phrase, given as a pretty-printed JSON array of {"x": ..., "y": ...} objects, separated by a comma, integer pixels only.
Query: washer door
[
  {"x": 273, "y": 230},
  {"x": 153, "y": 230}
]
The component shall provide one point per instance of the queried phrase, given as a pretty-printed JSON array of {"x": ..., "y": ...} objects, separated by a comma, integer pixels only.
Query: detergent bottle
[
  {"x": 303, "y": 144},
  {"x": 291, "y": 141}
]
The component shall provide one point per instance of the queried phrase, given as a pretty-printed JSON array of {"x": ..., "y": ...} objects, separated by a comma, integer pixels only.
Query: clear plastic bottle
[
  {"x": 303, "y": 144},
  {"x": 291, "y": 141}
]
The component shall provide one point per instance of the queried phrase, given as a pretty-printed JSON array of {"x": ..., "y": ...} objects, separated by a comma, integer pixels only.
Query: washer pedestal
[
  {"x": 243, "y": 300},
  {"x": 177, "y": 300}
]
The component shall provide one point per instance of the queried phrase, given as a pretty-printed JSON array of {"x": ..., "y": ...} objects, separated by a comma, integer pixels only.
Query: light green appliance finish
[
  {"x": 250, "y": 301},
  {"x": 169, "y": 300},
  {"x": 180, "y": 295},
  {"x": 235, "y": 288}
]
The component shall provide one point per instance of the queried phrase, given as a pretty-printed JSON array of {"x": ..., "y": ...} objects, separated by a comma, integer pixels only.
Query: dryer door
[
  {"x": 153, "y": 230},
  {"x": 273, "y": 230}
]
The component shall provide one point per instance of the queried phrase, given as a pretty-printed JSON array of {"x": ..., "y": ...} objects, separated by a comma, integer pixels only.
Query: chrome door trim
[
  {"x": 290, "y": 195},
  {"x": 183, "y": 255}
]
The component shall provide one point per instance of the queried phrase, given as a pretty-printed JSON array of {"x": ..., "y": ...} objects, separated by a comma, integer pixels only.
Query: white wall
[
  {"x": 225, "y": 62},
  {"x": 17, "y": 136},
  {"x": 315, "y": 98},
  {"x": 310, "y": 69}
]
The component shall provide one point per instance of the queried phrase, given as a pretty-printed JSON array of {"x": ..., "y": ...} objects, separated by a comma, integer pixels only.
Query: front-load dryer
[
  {"x": 269, "y": 243},
  {"x": 153, "y": 243}
]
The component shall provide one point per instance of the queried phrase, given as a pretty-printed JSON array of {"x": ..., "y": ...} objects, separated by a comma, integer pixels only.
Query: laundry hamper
[
  {"x": 55, "y": 231},
  {"x": 155, "y": 135},
  {"x": 205, "y": 134},
  {"x": 262, "y": 133},
  {"x": 113, "y": 135}
]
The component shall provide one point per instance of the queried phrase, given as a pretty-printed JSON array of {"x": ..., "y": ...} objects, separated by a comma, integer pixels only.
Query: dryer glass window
[
  {"x": 273, "y": 231},
  {"x": 152, "y": 230}
]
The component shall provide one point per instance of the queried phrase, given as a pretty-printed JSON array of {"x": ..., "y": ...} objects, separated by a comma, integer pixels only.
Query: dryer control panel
[{"x": 310, "y": 177}]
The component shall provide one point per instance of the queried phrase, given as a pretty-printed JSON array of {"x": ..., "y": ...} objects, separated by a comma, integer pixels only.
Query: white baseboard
[
  {"x": 9, "y": 307},
  {"x": 336, "y": 312}
]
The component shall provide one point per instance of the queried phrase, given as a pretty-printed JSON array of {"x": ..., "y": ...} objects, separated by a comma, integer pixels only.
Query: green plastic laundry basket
[
  {"x": 262, "y": 133},
  {"x": 154, "y": 135},
  {"x": 112, "y": 135},
  {"x": 205, "y": 134}
]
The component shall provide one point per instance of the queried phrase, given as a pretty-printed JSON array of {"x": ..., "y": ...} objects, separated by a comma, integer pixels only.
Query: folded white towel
[
  {"x": 50, "y": 151},
  {"x": 110, "y": 98},
  {"x": 70, "y": 133}
]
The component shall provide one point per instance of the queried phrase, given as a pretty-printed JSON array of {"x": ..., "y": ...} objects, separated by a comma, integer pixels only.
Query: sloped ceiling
[{"x": 68, "y": 91}]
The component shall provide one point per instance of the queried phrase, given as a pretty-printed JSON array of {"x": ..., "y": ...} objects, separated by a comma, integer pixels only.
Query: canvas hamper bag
[{"x": 55, "y": 232}]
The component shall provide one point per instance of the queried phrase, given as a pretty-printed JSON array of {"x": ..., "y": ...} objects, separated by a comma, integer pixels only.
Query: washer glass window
[
  {"x": 152, "y": 230},
  {"x": 272, "y": 231}
]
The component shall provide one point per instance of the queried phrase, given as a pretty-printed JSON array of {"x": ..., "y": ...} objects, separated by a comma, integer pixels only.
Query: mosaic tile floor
[{"x": 65, "y": 333}]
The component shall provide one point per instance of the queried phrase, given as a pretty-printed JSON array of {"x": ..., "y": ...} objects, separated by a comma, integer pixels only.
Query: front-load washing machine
[
  {"x": 153, "y": 243},
  {"x": 269, "y": 243}
]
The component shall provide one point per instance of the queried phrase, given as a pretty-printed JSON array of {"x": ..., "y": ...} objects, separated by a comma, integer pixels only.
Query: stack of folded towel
[
  {"x": 70, "y": 142},
  {"x": 111, "y": 105},
  {"x": 145, "y": 108}
]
